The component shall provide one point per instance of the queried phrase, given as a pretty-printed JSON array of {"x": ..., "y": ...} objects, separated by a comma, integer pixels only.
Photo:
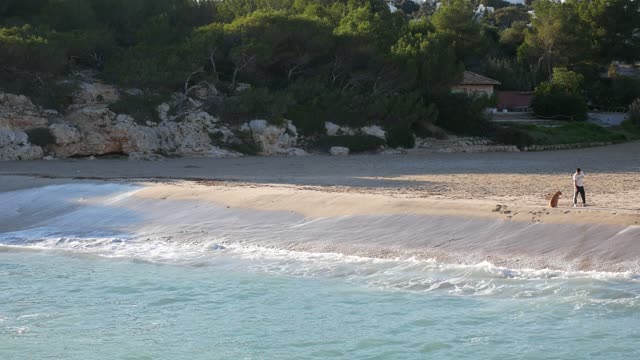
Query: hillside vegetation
[{"x": 352, "y": 62}]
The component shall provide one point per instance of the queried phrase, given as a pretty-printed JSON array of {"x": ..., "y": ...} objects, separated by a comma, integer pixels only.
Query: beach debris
[
  {"x": 144, "y": 156},
  {"x": 339, "y": 151}
]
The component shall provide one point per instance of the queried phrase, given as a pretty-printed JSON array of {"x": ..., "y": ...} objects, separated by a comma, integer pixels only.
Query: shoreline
[
  {"x": 369, "y": 225},
  {"x": 512, "y": 179},
  {"x": 490, "y": 203},
  {"x": 316, "y": 201}
]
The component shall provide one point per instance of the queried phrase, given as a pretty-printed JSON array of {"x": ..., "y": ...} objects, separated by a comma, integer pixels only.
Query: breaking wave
[{"x": 397, "y": 252}]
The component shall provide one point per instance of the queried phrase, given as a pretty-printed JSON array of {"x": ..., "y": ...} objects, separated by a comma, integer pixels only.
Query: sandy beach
[
  {"x": 415, "y": 183},
  {"x": 477, "y": 197}
]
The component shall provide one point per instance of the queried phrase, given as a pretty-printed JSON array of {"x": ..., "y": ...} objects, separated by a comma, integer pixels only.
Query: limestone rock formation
[
  {"x": 14, "y": 145},
  {"x": 274, "y": 140},
  {"x": 65, "y": 134},
  {"x": 93, "y": 92},
  {"x": 17, "y": 112},
  {"x": 334, "y": 129},
  {"x": 374, "y": 130}
]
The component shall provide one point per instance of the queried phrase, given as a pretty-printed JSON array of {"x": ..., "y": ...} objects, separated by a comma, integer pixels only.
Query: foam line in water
[{"x": 400, "y": 274}]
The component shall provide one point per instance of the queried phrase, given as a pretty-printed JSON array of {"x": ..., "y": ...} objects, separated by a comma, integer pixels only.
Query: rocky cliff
[{"x": 181, "y": 126}]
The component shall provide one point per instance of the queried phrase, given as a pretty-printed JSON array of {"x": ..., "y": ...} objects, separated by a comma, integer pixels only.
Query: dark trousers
[{"x": 579, "y": 190}]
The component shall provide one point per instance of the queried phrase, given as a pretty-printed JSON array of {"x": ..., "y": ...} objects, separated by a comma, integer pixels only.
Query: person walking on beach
[{"x": 578, "y": 188}]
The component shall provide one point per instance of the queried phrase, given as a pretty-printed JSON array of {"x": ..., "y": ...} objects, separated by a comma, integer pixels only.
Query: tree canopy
[{"x": 357, "y": 60}]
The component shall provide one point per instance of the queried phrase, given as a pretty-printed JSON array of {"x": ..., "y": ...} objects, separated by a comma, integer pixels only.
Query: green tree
[
  {"x": 22, "y": 48},
  {"x": 558, "y": 36},
  {"x": 19, "y": 12},
  {"x": 506, "y": 16},
  {"x": 282, "y": 46},
  {"x": 614, "y": 26},
  {"x": 456, "y": 22},
  {"x": 67, "y": 15},
  {"x": 512, "y": 38},
  {"x": 429, "y": 59},
  {"x": 511, "y": 74},
  {"x": 370, "y": 22}
]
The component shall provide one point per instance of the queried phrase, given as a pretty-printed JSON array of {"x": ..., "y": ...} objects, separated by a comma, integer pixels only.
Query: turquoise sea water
[{"x": 87, "y": 282}]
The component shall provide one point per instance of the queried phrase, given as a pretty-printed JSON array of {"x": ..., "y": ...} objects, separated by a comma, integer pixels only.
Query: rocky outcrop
[
  {"x": 90, "y": 131},
  {"x": 92, "y": 92},
  {"x": 274, "y": 140},
  {"x": 184, "y": 127},
  {"x": 90, "y": 128},
  {"x": 462, "y": 144},
  {"x": 65, "y": 134},
  {"x": 98, "y": 130},
  {"x": 17, "y": 112},
  {"x": 14, "y": 145},
  {"x": 336, "y": 130},
  {"x": 189, "y": 137},
  {"x": 374, "y": 130}
]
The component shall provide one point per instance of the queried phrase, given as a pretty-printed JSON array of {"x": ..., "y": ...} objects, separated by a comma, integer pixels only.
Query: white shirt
[{"x": 578, "y": 178}]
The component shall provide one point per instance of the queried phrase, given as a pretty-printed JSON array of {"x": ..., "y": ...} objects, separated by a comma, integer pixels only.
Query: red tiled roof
[{"x": 471, "y": 78}]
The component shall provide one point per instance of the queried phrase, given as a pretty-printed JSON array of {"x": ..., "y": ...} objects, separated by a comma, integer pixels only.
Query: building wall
[
  {"x": 514, "y": 100},
  {"x": 473, "y": 89}
]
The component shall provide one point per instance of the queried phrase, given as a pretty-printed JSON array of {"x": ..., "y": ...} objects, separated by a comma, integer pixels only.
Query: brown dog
[{"x": 554, "y": 200}]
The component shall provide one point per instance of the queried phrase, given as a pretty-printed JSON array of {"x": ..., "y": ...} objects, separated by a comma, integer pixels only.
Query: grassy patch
[{"x": 570, "y": 133}]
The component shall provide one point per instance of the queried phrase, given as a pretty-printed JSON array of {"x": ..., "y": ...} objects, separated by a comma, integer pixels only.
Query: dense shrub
[
  {"x": 43, "y": 89},
  {"x": 308, "y": 119},
  {"x": 551, "y": 102},
  {"x": 431, "y": 131},
  {"x": 462, "y": 114},
  {"x": 308, "y": 110},
  {"x": 25, "y": 49},
  {"x": 625, "y": 90},
  {"x": 258, "y": 103},
  {"x": 513, "y": 136},
  {"x": 59, "y": 95},
  {"x": 90, "y": 48},
  {"x": 617, "y": 92},
  {"x": 41, "y": 136},
  {"x": 143, "y": 66},
  {"x": 561, "y": 97},
  {"x": 355, "y": 143},
  {"x": 141, "y": 108},
  {"x": 401, "y": 136},
  {"x": 634, "y": 112},
  {"x": 247, "y": 144}
]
